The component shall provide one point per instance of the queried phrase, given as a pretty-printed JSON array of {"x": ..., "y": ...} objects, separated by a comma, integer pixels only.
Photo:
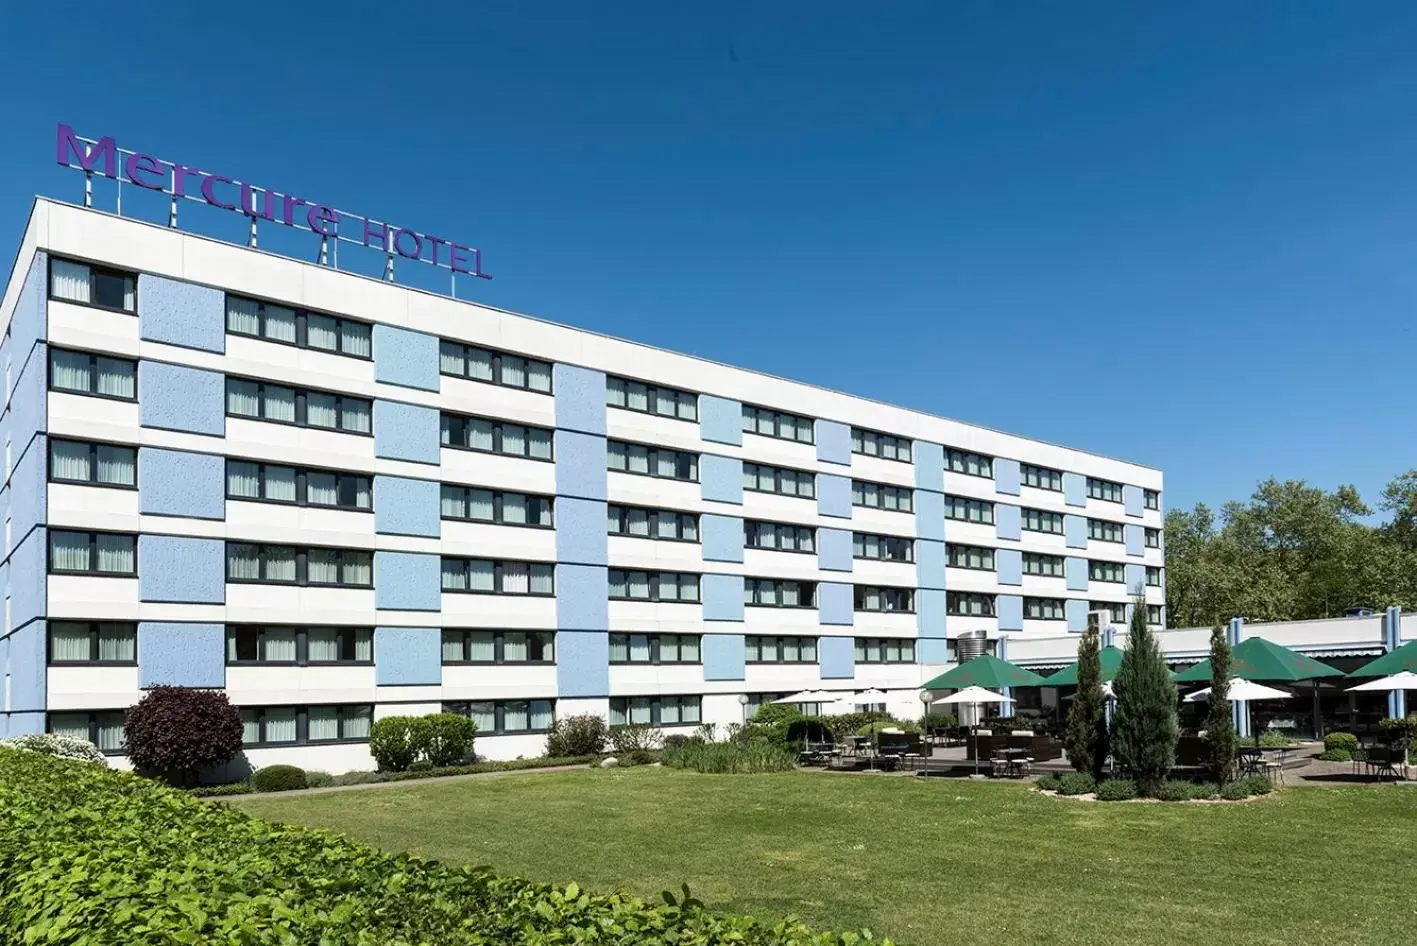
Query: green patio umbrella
[
  {"x": 988, "y": 672},
  {"x": 1404, "y": 658},
  {"x": 1111, "y": 658},
  {"x": 1258, "y": 659}
]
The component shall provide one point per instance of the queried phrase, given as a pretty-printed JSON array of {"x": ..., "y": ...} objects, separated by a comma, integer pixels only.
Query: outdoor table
[
  {"x": 1250, "y": 759},
  {"x": 1012, "y": 759}
]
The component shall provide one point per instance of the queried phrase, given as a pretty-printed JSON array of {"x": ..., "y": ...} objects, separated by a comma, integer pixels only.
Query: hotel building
[{"x": 339, "y": 499}]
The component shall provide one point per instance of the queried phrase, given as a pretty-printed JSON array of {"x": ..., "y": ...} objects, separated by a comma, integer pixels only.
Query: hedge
[
  {"x": 96, "y": 857},
  {"x": 371, "y": 778}
]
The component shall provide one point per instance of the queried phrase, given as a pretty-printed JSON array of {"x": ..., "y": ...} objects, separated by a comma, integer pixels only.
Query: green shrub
[
  {"x": 1047, "y": 783},
  {"x": 1234, "y": 791},
  {"x": 1256, "y": 785},
  {"x": 583, "y": 734},
  {"x": 279, "y": 778},
  {"x": 1177, "y": 789},
  {"x": 1207, "y": 790},
  {"x": 1336, "y": 755},
  {"x": 1076, "y": 783},
  {"x": 1345, "y": 741},
  {"x": 731, "y": 758},
  {"x": 396, "y": 742},
  {"x": 314, "y": 778},
  {"x": 846, "y": 725},
  {"x": 219, "y": 791},
  {"x": 1274, "y": 739},
  {"x": 641, "y": 757},
  {"x": 475, "y": 768},
  {"x": 65, "y": 747},
  {"x": 674, "y": 740},
  {"x": 777, "y": 713},
  {"x": 874, "y": 728},
  {"x": 1116, "y": 789},
  {"x": 450, "y": 738},
  {"x": 94, "y": 856},
  {"x": 626, "y": 739}
]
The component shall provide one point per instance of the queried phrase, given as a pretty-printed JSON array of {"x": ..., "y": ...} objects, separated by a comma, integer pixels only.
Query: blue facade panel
[
  {"x": 25, "y": 575},
  {"x": 722, "y": 538},
  {"x": 1076, "y": 612},
  {"x": 833, "y": 442},
  {"x": 406, "y": 358},
  {"x": 28, "y": 492},
  {"x": 174, "y": 397},
  {"x": 1010, "y": 611},
  {"x": 724, "y": 657},
  {"x": 30, "y": 321},
  {"x": 929, "y": 515},
  {"x": 582, "y": 599},
  {"x": 1007, "y": 476},
  {"x": 582, "y": 663},
  {"x": 404, "y": 506},
  {"x": 27, "y": 646},
  {"x": 1132, "y": 500},
  {"x": 181, "y": 655},
  {"x": 723, "y": 597},
  {"x": 407, "y": 581},
  {"x": 1136, "y": 578},
  {"x": 930, "y": 564},
  {"x": 408, "y": 656},
  {"x": 932, "y": 650},
  {"x": 836, "y": 658},
  {"x": 580, "y": 399},
  {"x": 580, "y": 465},
  {"x": 1007, "y": 521},
  {"x": 1075, "y": 532},
  {"x": 929, "y": 466},
  {"x": 720, "y": 420},
  {"x": 1075, "y": 570},
  {"x": 29, "y": 402},
  {"x": 834, "y": 604},
  {"x": 181, "y": 483},
  {"x": 581, "y": 538},
  {"x": 1074, "y": 489},
  {"x": 834, "y": 496},
  {"x": 834, "y": 550},
  {"x": 173, "y": 569},
  {"x": 930, "y": 614},
  {"x": 1134, "y": 536},
  {"x": 1008, "y": 564},
  {"x": 181, "y": 313},
  {"x": 721, "y": 479},
  {"x": 406, "y": 432}
]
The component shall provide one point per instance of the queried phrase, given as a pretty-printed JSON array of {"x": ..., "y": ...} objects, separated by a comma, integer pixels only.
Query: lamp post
[
  {"x": 743, "y": 702},
  {"x": 926, "y": 698}
]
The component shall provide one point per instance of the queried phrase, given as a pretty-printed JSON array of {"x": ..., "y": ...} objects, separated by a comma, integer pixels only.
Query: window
[
  {"x": 642, "y": 523},
  {"x": 278, "y": 323},
  {"x": 876, "y": 598},
  {"x": 1106, "y": 571},
  {"x": 1036, "y": 520},
  {"x": 970, "y": 464},
  {"x": 971, "y": 556},
  {"x": 1049, "y": 566},
  {"x": 780, "y": 650},
  {"x": 885, "y": 650},
  {"x": 271, "y": 483},
  {"x": 93, "y": 642},
  {"x": 485, "y": 576},
  {"x": 881, "y": 496},
  {"x": 757, "y": 701},
  {"x": 299, "y": 646},
  {"x": 783, "y": 426},
  {"x": 92, "y": 553},
  {"x": 885, "y": 548},
  {"x": 1116, "y": 611},
  {"x": 779, "y": 593},
  {"x": 78, "y": 372},
  {"x": 1153, "y": 538},
  {"x": 1041, "y": 477},
  {"x": 648, "y": 399},
  {"x": 474, "y": 504},
  {"x": 467, "y": 646},
  {"x": 1153, "y": 614},
  {"x": 495, "y": 367},
  {"x": 969, "y": 603},
  {"x": 251, "y": 563},
  {"x": 495, "y": 436},
  {"x": 260, "y": 400},
  {"x": 504, "y": 717},
  {"x": 1044, "y": 609},
  {"x": 1104, "y": 489},
  {"x": 653, "y": 586},
  {"x": 871, "y": 444},
  {"x": 1153, "y": 576},
  {"x": 1104, "y": 531},
  {"x": 969, "y": 510},
  {"x": 779, "y": 535},
  {"x": 654, "y": 710},
  {"x": 94, "y": 464},
  {"x": 654, "y": 648},
  {"x": 103, "y": 728},
  {"x": 651, "y": 461},
  {"x": 302, "y": 725},
  {"x": 93, "y": 285},
  {"x": 1151, "y": 499},
  {"x": 776, "y": 479}
]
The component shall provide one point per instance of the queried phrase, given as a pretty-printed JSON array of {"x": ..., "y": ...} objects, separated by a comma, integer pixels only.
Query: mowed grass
[{"x": 953, "y": 863}]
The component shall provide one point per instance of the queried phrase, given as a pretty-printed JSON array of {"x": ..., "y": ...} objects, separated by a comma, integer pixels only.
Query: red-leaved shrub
[{"x": 175, "y": 732}]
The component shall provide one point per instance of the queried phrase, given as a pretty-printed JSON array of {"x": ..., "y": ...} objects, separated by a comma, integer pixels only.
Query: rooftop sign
[{"x": 181, "y": 181}]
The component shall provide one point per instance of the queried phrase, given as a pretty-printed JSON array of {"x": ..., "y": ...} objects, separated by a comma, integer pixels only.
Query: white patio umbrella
[
  {"x": 1406, "y": 680},
  {"x": 974, "y": 696},
  {"x": 866, "y": 698},
  {"x": 1243, "y": 691},
  {"x": 807, "y": 696}
]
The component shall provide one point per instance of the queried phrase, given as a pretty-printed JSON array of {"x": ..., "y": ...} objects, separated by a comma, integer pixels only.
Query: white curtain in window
[
  {"x": 668, "y": 586},
  {"x": 514, "y": 439},
  {"x": 615, "y": 392},
  {"x": 324, "y": 567},
  {"x": 278, "y": 645},
  {"x": 484, "y": 715},
  {"x": 280, "y": 483},
  {"x": 280, "y": 724},
  {"x": 321, "y": 331},
  {"x": 479, "y": 364},
  {"x": 243, "y": 316},
  {"x": 481, "y": 646},
  {"x": 479, "y": 434},
  {"x": 538, "y": 375},
  {"x": 454, "y": 503},
  {"x": 516, "y": 716},
  {"x": 243, "y": 479},
  {"x": 280, "y": 403},
  {"x": 540, "y": 511},
  {"x": 116, "y": 554},
  {"x": 481, "y": 505},
  {"x": 452, "y": 646},
  {"x": 359, "y": 569},
  {"x": 74, "y": 725},
  {"x": 637, "y": 396},
  {"x": 689, "y": 526},
  {"x": 280, "y": 563},
  {"x": 357, "y": 720},
  {"x": 117, "y": 378},
  {"x": 355, "y": 416},
  {"x": 619, "y": 648},
  {"x": 323, "y": 723},
  {"x": 69, "y": 281},
  {"x": 110, "y": 731},
  {"x": 541, "y": 714},
  {"x": 117, "y": 642},
  {"x": 321, "y": 489},
  {"x": 513, "y": 371},
  {"x": 666, "y": 463},
  {"x": 116, "y": 465},
  {"x": 515, "y": 578},
  {"x": 322, "y": 644},
  {"x": 618, "y": 714},
  {"x": 791, "y": 594},
  {"x": 69, "y": 642},
  {"x": 639, "y": 648},
  {"x": 514, "y": 647},
  {"x": 514, "y": 509},
  {"x": 669, "y": 711},
  {"x": 619, "y": 585},
  {"x": 689, "y": 710},
  {"x": 356, "y": 338},
  {"x": 280, "y": 323},
  {"x": 612, "y": 520},
  {"x": 689, "y": 649},
  {"x": 639, "y": 459},
  {"x": 481, "y": 575},
  {"x": 666, "y": 403},
  {"x": 450, "y": 359},
  {"x": 454, "y": 575},
  {"x": 638, "y": 522},
  {"x": 320, "y": 410},
  {"x": 666, "y": 525},
  {"x": 243, "y": 563},
  {"x": 689, "y": 587},
  {"x": 617, "y": 456},
  {"x": 543, "y": 579},
  {"x": 641, "y": 711},
  {"x": 639, "y": 584},
  {"x": 71, "y": 461},
  {"x": 70, "y": 371},
  {"x": 243, "y": 398},
  {"x": 791, "y": 650}
]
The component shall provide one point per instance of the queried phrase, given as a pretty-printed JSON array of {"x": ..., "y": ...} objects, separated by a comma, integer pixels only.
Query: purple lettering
[
  {"x": 373, "y": 226},
  {"x": 436, "y": 241},
  {"x": 69, "y": 143},
  {"x": 287, "y": 215},
  {"x": 248, "y": 203},
  {"x": 398, "y": 245},
  {"x": 477, "y": 265},
  {"x": 458, "y": 264},
  {"x": 179, "y": 178},
  {"x": 138, "y": 164},
  {"x": 209, "y": 191},
  {"x": 323, "y": 220}
]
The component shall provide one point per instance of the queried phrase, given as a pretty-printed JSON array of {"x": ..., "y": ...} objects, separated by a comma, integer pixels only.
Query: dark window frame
[
  {"x": 652, "y": 393},
  {"x": 499, "y": 566},
  {"x": 1044, "y": 516},
  {"x": 93, "y": 374},
  {"x": 777, "y": 645},
  {"x": 1116, "y": 610},
  {"x": 1094, "y": 566},
  {"x": 757, "y": 412},
  {"x": 1058, "y": 560},
  {"x": 499, "y": 426},
  {"x": 902, "y": 492},
  {"x": 654, "y": 513},
  {"x": 498, "y": 503},
  {"x": 655, "y": 643},
  {"x": 777, "y": 480},
  {"x": 499, "y": 711},
  {"x": 907, "y": 541},
  {"x": 752, "y": 583},
  {"x": 858, "y": 596},
  {"x": 656, "y": 708},
  {"x": 499, "y": 641},
  {"x": 497, "y": 356},
  {"x": 94, "y": 572},
  {"x": 302, "y": 326},
  {"x": 652, "y": 456},
  {"x": 951, "y": 547},
  {"x": 1039, "y": 472},
  {"x": 1107, "y": 491},
  {"x": 1153, "y": 571},
  {"x": 1154, "y": 609},
  {"x": 1039, "y": 601},
  {"x": 982, "y": 460},
  {"x": 655, "y": 576},
  {"x": 1149, "y": 535},
  {"x": 302, "y": 400},
  {"x": 865, "y": 643},
  {"x": 953, "y": 599},
  {"x": 1121, "y": 531},
  {"x": 302, "y": 475},
  {"x": 94, "y": 629},
  {"x": 752, "y": 531},
  {"x": 93, "y": 716},
  {"x": 302, "y": 724},
  {"x": 970, "y": 502},
  {"x": 861, "y": 433},
  {"x": 95, "y": 269},
  {"x": 302, "y": 565},
  {"x": 1151, "y": 499},
  {"x": 302, "y": 644},
  {"x": 93, "y": 446}
]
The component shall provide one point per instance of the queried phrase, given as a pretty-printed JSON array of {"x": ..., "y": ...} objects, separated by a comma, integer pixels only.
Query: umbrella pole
[{"x": 975, "y": 733}]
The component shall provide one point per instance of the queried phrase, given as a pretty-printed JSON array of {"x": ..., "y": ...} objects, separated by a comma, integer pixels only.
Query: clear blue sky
[{"x": 1182, "y": 235}]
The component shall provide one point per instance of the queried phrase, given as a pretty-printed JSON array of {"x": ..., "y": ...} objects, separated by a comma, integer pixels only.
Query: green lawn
[{"x": 953, "y": 863}]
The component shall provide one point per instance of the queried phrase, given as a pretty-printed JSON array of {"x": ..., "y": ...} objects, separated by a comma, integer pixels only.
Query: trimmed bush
[
  {"x": 176, "y": 732},
  {"x": 1076, "y": 783},
  {"x": 584, "y": 734},
  {"x": 627, "y": 739},
  {"x": 279, "y": 778},
  {"x": 450, "y": 738},
  {"x": 1345, "y": 741},
  {"x": 1336, "y": 755},
  {"x": 1256, "y": 785},
  {"x": 89, "y": 855},
  {"x": 1177, "y": 789},
  {"x": 63, "y": 747},
  {"x": 1234, "y": 791},
  {"x": 1274, "y": 739},
  {"x": 874, "y": 728},
  {"x": 731, "y": 758},
  {"x": 1047, "y": 783},
  {"x": 314, "y": 778},
  {"x": 396, "y": 742},
  {"x": 1116, "y": 789}
]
